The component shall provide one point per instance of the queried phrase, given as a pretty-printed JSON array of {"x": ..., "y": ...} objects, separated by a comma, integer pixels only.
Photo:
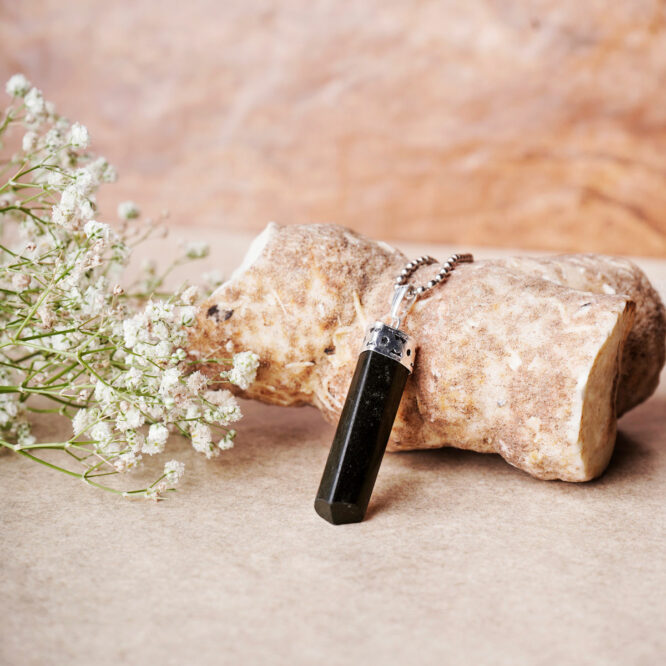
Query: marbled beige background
[{"x": 539, "y": 124}]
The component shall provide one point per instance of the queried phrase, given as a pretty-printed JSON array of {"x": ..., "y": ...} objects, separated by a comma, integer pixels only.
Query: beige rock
[{"x": 521, "y": 357}]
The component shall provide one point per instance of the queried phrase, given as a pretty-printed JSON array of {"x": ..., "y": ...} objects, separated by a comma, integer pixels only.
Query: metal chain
[
  {"x": 405, "y": 294},
  {"x": 442, "y": 276}
]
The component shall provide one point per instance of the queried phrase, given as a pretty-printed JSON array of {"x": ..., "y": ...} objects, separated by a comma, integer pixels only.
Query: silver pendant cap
[{"x": 391, "y": 342}]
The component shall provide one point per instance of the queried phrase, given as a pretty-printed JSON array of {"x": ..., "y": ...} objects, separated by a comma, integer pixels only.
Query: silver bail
[{"x": 404, "y": 292}]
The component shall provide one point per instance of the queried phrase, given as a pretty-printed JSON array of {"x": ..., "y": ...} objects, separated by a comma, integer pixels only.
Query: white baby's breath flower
[
  {"x": 159, "y": 352},
  {"x": 126, "y": 461},
  {"x": 128, "y": 210},
  {"x": 136, "y": 440},
  {"x": 81, "y": 421},
  {"x": 197, "y": 382},
  {"x": 201, "y": 439},
  {"x": 29, "y": 141},
  {"x": 102, "y": 171},
  {"x": 188, "y": 315},
  {"x": 54, "y": 140},
  {"x": 55, "y": 179},
  {"x": 227, "y": 442},
  {"x": 101, "y": 432},
  {"x": 190, "y": 295},
  {"x": 132, "y": 378},
  {"x": 104, "y": 393},
  {"x": 131, "y": 329},
  {"x": 120, "y": 366},
  {"x": 174, "y": 471},
  {"x": 197, "y": 249},
  {"x": 79, "y": 136},
  {"x": 157, "y": 438},
  {"x": 18, "y": 86},
  {"x": 86, "y": 210},
  {"x": 244, "y": 369},
  {"x": 23, "y": 435},
  {"x": 130, "y": 419},
  {"x": 223, "y": 409},
  {"x": 179, "y": 355},
  {"x": 158, "y": 311},
  {"x": 94, "y": 229},
  {"x": 170, "y": 381},
  {"x": 34, "y": 102},
  {"x": 84, "y": 181},
  {"x": 66, "y": 212}
]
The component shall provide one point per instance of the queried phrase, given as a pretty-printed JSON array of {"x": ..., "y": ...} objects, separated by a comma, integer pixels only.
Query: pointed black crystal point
[
  {"x": 361, "y": 437},
  {"x": 338, "y": 513}
]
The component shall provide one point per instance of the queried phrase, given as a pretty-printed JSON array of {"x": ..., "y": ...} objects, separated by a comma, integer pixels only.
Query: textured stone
[{"x": 521, "y": 356}]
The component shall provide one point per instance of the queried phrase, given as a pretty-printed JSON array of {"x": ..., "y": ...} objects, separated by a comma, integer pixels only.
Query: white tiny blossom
[
  {"x": 34, "y": 102},
  {"x": 162, "y": 350},
  {"x": 170, "y": 381},
  {"x": 201, "y": 439},
  {"x": 23, "y": 436},
  {"x": 157, "y": 437},
  {"x": 29, "y": 142},
  {"x": 136, "y": 440},
  {"x": 130, "y": 419},
  {"x": 86, "y": 210},
  {"x": 227, "y": 442},
  {"x": 133, "y": 378},
  {"x": 66, "y": 212},
  {"x": 54, "y": 140},
  {"x": 128, "y": 210},
  {"x": 18, "y": 86},
  {"x": 101, "y": 432},
  {"x": 197, "y": 249},
  {"x": 102, "y": 171},
  {"x": 84, "y": 181},
  {"x": 126, "y": 461},
  {"x": 104, "y": 393},
  {"x": 190, "y": 295},
  {"x": 174, "y": 471},
  {"x": 244, "y": 369},
  {"x": 79, "y": 136},
  {"x": 81, "y": 421},
  {"x": 179, "y": 355},
  {"x": 197, "y": 382},
  {"x": 94, "y": 229},
  {"x": 55, "y": 179},
  {"x": 224, "y": 410},
  {"x": 131, "y": 329},
  {"x": 158, "y": 311},
  {"x": 188, "y": 315}
]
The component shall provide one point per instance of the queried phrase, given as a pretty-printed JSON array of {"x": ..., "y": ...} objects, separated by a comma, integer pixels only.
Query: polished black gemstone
[{"x": 361, "y": 437}]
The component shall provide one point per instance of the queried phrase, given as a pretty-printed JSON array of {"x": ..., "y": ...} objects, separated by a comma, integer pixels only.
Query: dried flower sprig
[{"x": 73, "y": 340}]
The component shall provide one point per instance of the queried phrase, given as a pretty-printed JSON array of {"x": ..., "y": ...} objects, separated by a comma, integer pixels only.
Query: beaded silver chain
[{"x": 406, "y": 294}]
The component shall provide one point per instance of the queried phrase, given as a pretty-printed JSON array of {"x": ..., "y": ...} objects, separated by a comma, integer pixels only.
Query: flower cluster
[{"x": 112, "y": 357}]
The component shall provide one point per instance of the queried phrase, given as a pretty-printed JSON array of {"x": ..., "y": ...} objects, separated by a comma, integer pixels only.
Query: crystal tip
[{"x": 338, "y": 513}]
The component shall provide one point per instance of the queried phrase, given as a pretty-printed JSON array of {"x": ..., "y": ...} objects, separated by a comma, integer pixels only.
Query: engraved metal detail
[{"x": 391, "y": 342}]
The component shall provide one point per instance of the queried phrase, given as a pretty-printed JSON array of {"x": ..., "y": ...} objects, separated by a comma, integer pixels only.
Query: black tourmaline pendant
[{"x": 385, "y": 362}]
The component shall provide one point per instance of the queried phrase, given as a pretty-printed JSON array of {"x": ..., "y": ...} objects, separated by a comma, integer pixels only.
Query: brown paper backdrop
[{"x": 538, "y": 124}]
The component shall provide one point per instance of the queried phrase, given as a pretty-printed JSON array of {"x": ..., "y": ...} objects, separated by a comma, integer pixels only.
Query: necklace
[{"x": 384, "y": 364}]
